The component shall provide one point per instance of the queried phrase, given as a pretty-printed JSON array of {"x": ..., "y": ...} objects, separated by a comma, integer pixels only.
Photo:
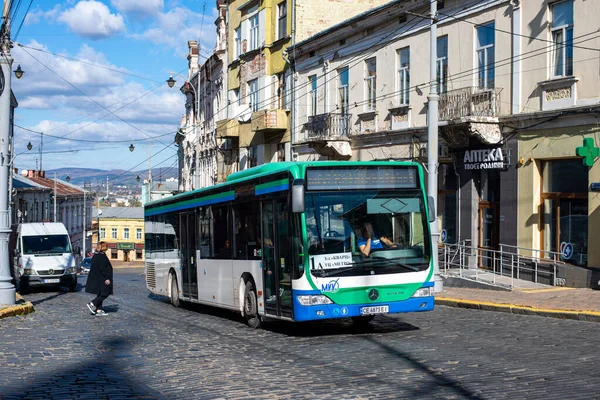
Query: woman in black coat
[{"x": 100, "y": 279}]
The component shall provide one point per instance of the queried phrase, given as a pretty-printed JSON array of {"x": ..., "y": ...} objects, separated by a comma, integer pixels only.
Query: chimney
[{"x": 193, "y": 56}]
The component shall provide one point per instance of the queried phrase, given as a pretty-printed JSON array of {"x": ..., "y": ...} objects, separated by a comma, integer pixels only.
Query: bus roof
[{"x": 295, "y": 167}]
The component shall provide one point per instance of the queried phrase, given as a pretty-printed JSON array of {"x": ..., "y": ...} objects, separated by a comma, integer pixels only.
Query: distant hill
[{"x": 116, "y": 177}]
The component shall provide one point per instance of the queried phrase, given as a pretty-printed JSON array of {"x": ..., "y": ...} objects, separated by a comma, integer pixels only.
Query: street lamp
[
  {"x": 29, "y": 146},
  {"x": 131, "y": 147},
  {"x": 171, "y": 81},
  {"x": 137, "y": 178},
  {"x": 19, "y": 72}
]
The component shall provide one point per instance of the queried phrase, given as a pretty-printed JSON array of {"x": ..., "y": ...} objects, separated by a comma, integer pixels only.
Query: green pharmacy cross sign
[{"x": 588, "y": 151}]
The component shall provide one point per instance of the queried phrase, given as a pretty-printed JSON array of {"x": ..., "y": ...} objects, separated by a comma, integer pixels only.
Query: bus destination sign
[{"x": 361, "y": 178}]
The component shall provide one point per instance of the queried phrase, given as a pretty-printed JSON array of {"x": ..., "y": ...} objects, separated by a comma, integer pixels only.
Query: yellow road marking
[{"x": 554, "y": 289}]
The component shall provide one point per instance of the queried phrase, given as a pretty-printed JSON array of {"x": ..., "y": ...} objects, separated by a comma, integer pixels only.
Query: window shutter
[{"x": 262, "y": 27}]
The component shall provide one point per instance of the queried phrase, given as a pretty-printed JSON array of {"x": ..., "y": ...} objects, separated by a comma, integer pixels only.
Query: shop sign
[
  {"x": 125, "y": 246},
  {"x": 484, "y": 159}
]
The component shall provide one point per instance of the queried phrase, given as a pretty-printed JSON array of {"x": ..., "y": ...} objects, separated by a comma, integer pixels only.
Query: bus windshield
[
  {"x": 46, "y": 244},
  {"x": 367, "y": 232}
]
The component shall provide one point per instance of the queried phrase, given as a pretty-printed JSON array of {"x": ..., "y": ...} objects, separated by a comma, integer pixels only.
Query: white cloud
[
  {"x": 137, "y": 8},
  {"x": 35, "y": 16},
  {"x": 177, "y": 26},
  {"x": 92, "y": 19}
]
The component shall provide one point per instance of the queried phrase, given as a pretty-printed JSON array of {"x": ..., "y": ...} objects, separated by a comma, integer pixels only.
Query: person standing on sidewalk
[{"x": 100, "y": 280}]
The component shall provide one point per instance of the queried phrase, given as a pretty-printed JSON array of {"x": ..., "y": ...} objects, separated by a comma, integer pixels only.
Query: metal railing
[
  {"x": 502, "y": 266},
  {"x": 469, "y": 102},
  {"x": 331, "y": 126}
]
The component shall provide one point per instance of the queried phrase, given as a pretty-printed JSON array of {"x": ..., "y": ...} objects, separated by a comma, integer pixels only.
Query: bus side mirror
[
  {"x": 298, "y": 196},
  {"x": 431, "y": 209}
]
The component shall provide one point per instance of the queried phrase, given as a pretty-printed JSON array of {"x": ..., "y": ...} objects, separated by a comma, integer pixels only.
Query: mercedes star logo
[
  {"x": 51, "y": 272},
  {"x": 373, "y": 294}
]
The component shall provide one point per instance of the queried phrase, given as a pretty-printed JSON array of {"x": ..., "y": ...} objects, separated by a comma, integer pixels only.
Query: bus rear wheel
[
  {"x": 174, "y": 291},
  {"x": 251, "y": 306},
  {"x": 363, "y": 320}
]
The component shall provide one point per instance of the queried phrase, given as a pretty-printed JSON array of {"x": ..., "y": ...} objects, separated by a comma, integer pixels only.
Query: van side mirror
[
  {"x": 298, "y": 196},
  {"x": 431, "y": 204}
]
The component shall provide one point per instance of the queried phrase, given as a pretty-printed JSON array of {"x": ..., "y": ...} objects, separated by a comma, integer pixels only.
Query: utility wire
[
  {"x": 89, "y": 140},
  {"x": 23, "y": 20},
  {"x": 80, "y": 91}
]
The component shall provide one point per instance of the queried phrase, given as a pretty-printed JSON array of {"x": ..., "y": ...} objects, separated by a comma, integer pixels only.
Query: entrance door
[
  {"x": 189, "y": 274},
  {"x": 276, "y": 242},
  {"x": 488, "y": 233}
]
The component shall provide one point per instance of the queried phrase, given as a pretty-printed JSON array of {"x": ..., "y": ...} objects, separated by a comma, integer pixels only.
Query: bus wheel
[
  {"x": 174, "y": 291},
  {"x": 363, "y": 320},
  {"x": 73, "y": 287},
  {"x": 251, "y": 306}
]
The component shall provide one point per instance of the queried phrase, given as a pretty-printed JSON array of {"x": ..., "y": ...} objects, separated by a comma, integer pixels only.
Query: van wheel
[
  {"x": 73, "y": 287},
  {"x": 174, "y": 291},
  {"x": 251, "y": 306},
  {"x": 21, "y": 287}
]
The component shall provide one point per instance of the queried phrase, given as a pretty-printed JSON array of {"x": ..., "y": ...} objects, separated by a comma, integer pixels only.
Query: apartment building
[
  {"x": 122, "y": 228},
  {"x": 518, "y": 85},
  {"x": 256, "y": 127}
]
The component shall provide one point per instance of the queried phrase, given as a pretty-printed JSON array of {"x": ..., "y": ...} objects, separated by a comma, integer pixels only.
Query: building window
[
  {"x": 125, "y": 233},
  {"x": 113, "y": 233},
  {"x": 138, "y": 254},
  {"x": 281, "y": 94},
  {"x": 253, "y": 90},
  {"x": 238, "y": 42},
  {"x": 343, "y": 90},
  {"x": 252, "y": 158},
  {"x": 562, "y": 39},
  {"x": 253, "y": 32},
  {"x": 282, "y": 20},
  {"x": 371, "y": 83},
  {"x": 442, "y": 64},
  {"x": 280, "y": 152},
  {"x": 485, "y": 56},
  {"x": 312, "y": 95},
  {"x": 404, "y": 75},
  {"x": 138, "y": 233},
  {"x": 565, "y": 209},
  {"x": 102, "y": 233},
  {"x": 114, "y": 253}
]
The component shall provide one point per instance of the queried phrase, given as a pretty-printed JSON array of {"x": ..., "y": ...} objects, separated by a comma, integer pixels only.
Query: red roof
[{"x": 62, "y": 189}]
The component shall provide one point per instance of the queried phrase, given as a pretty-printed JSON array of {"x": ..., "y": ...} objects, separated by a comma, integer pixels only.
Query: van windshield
[{"x": 46, "y": 244}]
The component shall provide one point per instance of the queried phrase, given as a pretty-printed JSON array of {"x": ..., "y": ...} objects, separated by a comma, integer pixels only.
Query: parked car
[{"x": 85, "y": 265}]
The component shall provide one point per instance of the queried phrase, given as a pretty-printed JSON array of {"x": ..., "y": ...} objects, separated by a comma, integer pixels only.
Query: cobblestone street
[{"x": 145, "y": 348}]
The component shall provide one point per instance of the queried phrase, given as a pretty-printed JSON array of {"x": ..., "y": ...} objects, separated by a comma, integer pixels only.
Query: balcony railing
[
  {"x": 469, "y": 102},
  {"x": 330, "y": 126}
]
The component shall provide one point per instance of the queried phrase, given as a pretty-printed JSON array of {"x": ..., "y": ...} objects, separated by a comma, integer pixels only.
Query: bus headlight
[
  {"x": 28, "y": 271},
  {"x": 314, "y": 300},
  {"x": 70, "y": 270},
  {"x": 424, "y": 292}
]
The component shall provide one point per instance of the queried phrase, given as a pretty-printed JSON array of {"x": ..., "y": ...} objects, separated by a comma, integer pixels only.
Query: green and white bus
[{"x": 297, "y": 241}]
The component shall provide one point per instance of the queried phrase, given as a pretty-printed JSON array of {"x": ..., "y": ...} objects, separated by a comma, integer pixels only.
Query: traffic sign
[
  {"x": 444, "y": 235},
  {"x": 566, "y": 249}
]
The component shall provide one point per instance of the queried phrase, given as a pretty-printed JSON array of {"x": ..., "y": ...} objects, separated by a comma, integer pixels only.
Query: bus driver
[{"x": 369, "y": 241}]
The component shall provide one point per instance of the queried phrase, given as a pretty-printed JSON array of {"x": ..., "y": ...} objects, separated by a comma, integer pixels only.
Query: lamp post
[{"x": 7, "y": 289}]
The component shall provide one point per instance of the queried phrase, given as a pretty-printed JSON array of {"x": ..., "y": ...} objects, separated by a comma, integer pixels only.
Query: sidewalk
[
  {"x": 557, "y": 302},
  {"x": 20, "y": 308}
]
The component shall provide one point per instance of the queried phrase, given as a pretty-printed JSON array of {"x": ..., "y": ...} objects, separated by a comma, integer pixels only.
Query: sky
[{"x": 96, "y": 70}]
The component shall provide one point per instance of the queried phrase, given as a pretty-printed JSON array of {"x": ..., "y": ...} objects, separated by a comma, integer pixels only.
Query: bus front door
[
  {"x": 189, "y": 273},
  {"x": 276, "y": 251}
]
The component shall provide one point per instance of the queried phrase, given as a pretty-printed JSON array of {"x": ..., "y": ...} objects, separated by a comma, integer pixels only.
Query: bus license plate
[
  {"x": 374, "y": 310},
  {"x": 51, "y": 280}
]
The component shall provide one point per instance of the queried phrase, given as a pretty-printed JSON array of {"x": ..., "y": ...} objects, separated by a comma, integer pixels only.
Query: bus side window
[{"x": 221, "y": 229}]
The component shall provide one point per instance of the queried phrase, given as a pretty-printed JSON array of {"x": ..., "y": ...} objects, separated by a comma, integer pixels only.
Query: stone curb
[
  {"x": 590, "y": 316},
  {"x": 21, "y": 308}
]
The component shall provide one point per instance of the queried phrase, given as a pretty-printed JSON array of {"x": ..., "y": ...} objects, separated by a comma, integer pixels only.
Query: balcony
[
  {"x": 230, "y": 128},
  {"x": 270, "y": 120},
  {"x": 469, "y": 102},
  {"x": 328, "y": 134},
  {"x": 325, "y": 127}
]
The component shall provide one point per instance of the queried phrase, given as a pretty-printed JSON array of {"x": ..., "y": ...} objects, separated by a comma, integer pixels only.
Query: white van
[{"x": 43, "y": 256}]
